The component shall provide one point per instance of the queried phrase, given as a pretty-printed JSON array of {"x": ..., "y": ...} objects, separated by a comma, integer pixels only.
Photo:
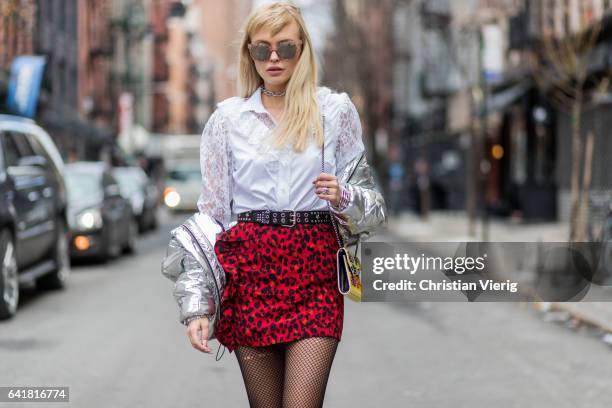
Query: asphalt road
[{"x": 113, "y": 337}]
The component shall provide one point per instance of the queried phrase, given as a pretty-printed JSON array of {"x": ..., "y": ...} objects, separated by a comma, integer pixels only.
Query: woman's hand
[
  {"x": 330, "y": 182},
  {"x": 197, "y": 331}
]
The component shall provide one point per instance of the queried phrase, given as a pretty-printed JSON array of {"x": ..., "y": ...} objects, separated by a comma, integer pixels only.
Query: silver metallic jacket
[{"x": 191, "y": 262}]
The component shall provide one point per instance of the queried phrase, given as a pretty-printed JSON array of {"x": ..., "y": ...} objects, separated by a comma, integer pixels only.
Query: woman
[{"x": 260, "y": 154}]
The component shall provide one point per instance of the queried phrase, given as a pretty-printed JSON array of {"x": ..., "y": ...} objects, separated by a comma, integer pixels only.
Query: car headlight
[
  {"x": 171, "y": 197},
  {"x": 89, "y": 219}
]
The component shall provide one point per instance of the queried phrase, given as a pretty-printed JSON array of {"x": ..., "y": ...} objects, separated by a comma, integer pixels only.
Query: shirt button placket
[{"x": 284, "y": 179}]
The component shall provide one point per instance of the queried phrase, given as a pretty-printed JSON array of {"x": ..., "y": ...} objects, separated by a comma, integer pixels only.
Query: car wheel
[
  {"x": 104, "y": 254},
  {"x": 130, "y": 245},
  {"x": 110, "y": 249},
  {"x": 9, "y": 278},
  {"x": 58, "y": 278}
]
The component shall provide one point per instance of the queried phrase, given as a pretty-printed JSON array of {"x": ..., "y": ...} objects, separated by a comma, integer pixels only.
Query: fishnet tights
[{"x": 287, "y": 375}]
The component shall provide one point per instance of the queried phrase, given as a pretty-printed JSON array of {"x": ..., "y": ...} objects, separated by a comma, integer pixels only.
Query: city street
[
  {"x": 418, "y": 122},
  {"x": 113, "y": 337}
]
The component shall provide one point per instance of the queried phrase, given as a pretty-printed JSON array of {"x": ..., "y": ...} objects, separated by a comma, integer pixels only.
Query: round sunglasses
[{"x": 286, "y": 50}]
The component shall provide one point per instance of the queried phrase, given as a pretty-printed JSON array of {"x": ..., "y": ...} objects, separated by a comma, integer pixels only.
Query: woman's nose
[{"x": 274, "y": 56}]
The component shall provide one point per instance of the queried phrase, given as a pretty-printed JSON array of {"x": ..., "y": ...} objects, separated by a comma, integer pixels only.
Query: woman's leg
[
  {"x": 307, "y": 365},
  {"x": 262, "y": 371}
]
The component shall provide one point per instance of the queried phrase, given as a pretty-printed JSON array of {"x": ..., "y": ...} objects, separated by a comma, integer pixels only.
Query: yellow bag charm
[{"x": 349, "y": 274}]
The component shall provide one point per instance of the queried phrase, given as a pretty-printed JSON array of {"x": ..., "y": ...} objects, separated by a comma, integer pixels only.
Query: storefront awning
[{"x": 501, "y": 100}]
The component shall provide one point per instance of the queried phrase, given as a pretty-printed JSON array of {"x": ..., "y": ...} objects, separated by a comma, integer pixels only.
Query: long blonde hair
[{"x": 301, "y": 112}]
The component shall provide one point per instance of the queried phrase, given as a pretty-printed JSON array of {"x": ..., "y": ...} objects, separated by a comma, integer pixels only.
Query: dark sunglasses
[{"x": 262, "y": 51}]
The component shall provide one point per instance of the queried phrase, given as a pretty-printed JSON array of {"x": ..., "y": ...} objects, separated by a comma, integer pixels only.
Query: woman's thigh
[
  {"x": 308, "y": 363},
  {"x": 262, "y": 370}
]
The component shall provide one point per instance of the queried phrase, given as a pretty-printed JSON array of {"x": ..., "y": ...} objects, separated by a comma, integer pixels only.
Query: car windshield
[
  {"x": 184, "y": 174},
  {"x": 83, "y": 186}
]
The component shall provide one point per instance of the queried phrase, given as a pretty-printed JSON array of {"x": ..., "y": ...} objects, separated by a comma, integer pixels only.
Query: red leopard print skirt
[{"x": 281, "y": 284}]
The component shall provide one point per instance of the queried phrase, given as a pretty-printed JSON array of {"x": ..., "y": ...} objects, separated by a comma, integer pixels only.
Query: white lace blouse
[{"x": 241, "y": 172}]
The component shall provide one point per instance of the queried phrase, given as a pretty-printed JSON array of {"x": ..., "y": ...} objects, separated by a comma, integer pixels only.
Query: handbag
[{"x": 348, "y": 266}]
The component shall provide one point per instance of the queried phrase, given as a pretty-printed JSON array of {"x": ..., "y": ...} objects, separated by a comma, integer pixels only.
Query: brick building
[
  {"x": 17, "y": 21},
  {"x": 71, "y": 35},
  {"x": 196, "y": 57}
]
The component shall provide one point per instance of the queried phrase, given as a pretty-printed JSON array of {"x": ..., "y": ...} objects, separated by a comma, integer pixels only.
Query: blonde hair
[{"x": 301, "y": 112}]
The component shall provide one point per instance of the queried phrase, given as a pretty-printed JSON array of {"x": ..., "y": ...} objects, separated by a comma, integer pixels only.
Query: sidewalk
[{"x": 453, "y": 227}]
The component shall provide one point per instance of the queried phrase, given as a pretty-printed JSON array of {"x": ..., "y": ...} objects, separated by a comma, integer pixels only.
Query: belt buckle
[{"x": 293, "y": 222}]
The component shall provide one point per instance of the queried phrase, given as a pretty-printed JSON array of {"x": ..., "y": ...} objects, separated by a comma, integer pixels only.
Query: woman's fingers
[
  {"x": 332, "y": 194},
  {"x": 325, "y": 177},
  {"x": 326, "y": 180},
  {"x": 329, "y": 191},
  {"x": 197, "y": 331},
  {"x": 329, "y": 181}
]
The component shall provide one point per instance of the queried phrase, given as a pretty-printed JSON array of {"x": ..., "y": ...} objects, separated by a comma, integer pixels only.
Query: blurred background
[{"x": 483, "y": 120}]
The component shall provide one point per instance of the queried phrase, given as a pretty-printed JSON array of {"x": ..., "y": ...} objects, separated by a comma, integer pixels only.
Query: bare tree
[{"x": 561, "y": 71}]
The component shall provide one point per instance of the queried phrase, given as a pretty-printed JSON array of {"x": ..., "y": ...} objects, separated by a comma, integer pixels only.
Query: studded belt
[{"x": 285, "y": 218}]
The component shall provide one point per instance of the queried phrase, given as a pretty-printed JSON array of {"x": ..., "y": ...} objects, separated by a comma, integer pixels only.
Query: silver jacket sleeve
[
  {"x": 366, "y": 212},
  {"x": 191, "y": 292},
  {"x": 191, "y": 263}
]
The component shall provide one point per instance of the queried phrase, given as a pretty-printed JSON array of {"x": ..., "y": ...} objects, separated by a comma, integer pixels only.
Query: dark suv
[{"x": 33, "y": 227}]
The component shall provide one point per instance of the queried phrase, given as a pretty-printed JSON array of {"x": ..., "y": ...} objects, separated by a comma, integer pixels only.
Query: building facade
[
  {"x": 564, "y": 22},
  {"x": 466, "y": 105},
  {"x": 17, "y": 21},
  {"x": 74, "y": 105}
]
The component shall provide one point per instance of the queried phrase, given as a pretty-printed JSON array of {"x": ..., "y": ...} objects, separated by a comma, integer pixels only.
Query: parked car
[
  {"x": 33, "y": 228},
  {"x": 136, "y": 186},
  {"x": 100, "y": 218},
  {"x": 183, "y": 186}
]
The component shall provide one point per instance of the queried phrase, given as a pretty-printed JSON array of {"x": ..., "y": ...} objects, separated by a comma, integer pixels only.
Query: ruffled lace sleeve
[
  {"x": 348, "y": 130},
  {"x": 349, "y": 146},
  {"x": 216, "y": 167}
]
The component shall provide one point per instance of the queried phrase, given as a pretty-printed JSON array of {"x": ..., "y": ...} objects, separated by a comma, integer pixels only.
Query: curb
[{"x": 581, "y": 313}]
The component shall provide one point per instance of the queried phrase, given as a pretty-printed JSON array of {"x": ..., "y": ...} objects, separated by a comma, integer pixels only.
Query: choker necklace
[{"x": 272, "y": 93}]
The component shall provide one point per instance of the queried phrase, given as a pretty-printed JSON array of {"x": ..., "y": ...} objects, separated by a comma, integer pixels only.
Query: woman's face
[{"x": 274, "y": 71}]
